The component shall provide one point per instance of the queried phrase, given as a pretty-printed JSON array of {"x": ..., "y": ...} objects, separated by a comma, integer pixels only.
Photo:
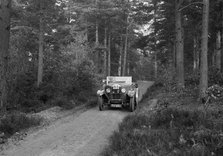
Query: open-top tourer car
[{"x": 119, "y": 92}]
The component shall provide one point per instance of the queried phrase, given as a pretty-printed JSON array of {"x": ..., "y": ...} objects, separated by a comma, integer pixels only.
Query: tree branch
[{"x": 189, "y": 5}]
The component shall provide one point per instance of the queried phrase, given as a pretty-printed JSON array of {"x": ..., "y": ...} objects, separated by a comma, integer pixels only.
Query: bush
[
  {"x": 166, "y": 77},
  {"x": 79, "y": 84},
  {"x": 69, "y": 83},
  {"x": 63, "y": 102},
  {"x": 16, "y": 122},
  {"x": 215, "y": 77},
  {"x": 169, "y": 132},
  {"x": 87, "y": 79},
  {"x": 92, "y": 102},
  {"x": 135, "y": 121},
  {"x": 192, "y": 80},
  {"x": 27, "y": 97},
  {"x": 46, "y": 92},
  {"x": 23, "y": 90}
]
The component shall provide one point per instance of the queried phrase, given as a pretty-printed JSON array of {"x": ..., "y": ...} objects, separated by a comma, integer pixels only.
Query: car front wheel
[
  {"x": 100, "y": 103},
  {"x": 132, "y": 104}
]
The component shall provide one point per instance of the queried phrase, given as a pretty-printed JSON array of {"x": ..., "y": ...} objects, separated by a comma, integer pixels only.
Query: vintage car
[{"x": 119, "y": 92}]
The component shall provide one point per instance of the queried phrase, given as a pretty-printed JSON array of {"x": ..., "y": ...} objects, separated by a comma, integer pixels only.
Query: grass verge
[
  {"x": 17, "y": 121},
  {"x": 169, "y": 132},
  {"x": 178, "y": 126}
]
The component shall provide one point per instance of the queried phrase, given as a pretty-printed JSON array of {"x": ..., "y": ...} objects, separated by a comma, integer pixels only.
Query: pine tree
[
  {"x": 204, "y": 50},
  {"x": 5, "y": 9}
]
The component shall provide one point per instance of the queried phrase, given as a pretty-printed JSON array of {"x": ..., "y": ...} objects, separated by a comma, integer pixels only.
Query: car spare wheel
[
  {"x": 100, "y": 104},
  {"x": 132, "y": 104}
]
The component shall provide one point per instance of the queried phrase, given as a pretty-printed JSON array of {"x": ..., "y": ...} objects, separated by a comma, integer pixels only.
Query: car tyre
[
  {"x": 136, "y": 103},
  {"x": 132, "y": 104},
  {"x": 100, "y": 104}
]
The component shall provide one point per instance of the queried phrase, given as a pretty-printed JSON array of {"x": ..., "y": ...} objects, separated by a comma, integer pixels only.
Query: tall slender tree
[
  {"x": 120, "y": 57},
  {"x": 5, "y": 9},
  {"x": 105, "y": 52},
  {"x": 218, "y": 50},
  {"x": 96, "y": 26},
  {"x": 222, "y": 36},
  {"x": 179, "y": 45},
  {"x": 41, "y": 42},
  {"x": 196, "y": 57},
  {"x": 204, "y": 50},
  {"x": 125, "y": 50},
  {"x": 155, "y": 39},
  {"x": 109, "y": 54},
  {"x": 126, "y": 45}
]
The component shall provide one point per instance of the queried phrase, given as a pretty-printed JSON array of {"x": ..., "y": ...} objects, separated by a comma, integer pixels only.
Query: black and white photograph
[{"x": 111, "y": 77}]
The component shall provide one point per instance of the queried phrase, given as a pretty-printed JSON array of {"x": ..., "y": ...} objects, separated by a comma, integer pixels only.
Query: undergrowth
[
  {"x": 169, "y": 132},
  {"x": 178, "y": 126},
  {"x": 17, "y": 121},
  {"x": 63, "y": 87}
]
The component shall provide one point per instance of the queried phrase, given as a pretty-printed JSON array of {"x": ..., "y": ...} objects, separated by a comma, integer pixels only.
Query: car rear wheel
[
  {"x": 136, "y": 103},
  {"x": 132, "y": 104},
  {"x": 100, "y": 104}
]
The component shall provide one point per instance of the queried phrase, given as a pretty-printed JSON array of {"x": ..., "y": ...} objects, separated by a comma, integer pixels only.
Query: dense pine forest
[{"x": 56, "y": 52}]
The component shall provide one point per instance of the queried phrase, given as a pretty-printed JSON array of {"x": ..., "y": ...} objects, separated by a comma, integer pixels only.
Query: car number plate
[{"x": 117, "y": 106}]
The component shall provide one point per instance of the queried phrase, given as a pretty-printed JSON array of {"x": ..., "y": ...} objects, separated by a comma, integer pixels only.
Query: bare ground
[{"x": 84, "y": 133}]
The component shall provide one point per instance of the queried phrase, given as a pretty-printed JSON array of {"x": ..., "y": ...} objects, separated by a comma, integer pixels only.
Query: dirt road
[{"x": 82, "y": 134}]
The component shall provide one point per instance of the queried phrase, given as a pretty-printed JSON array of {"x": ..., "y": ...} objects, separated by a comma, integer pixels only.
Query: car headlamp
[
  {"x": 123, "y": 90},
  {"x": 108, "y": 90},
  {"x": 131, "y": 93},
  {"x": 100, "y": 92}
]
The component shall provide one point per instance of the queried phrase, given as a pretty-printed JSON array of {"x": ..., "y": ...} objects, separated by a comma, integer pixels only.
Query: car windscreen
[{"x": 122, "y": 80}]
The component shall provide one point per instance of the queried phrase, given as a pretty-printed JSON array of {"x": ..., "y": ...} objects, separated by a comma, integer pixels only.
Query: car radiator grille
[{"x": 116, "y": 96}]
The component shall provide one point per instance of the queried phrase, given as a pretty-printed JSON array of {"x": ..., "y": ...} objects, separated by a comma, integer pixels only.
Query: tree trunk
[
  {"x": 195, "y": 55},
  {"x": 120, "y": 58},
  {"x": 179, "y": 47},
  {"x": 40, "y": 64},
  {"x": 5, "y": 8},
  {"x": 109, "y": 55},
  {"x": 86, "y": 31},
  {"x": 174, "y": 55},
  {"x": 155, "y": 40},
  {"x": 98, "y": 58},
  {"x": 221, "y": 8},
  {"x": 213, "y": 58},
  {"x": 96, "y": 34},
  {"x": 105, "y": 53},
  {"x": 222, "y": 41},
  {"x": 155, "y": 65},
  {"x": 198, "y": 54},
  {"x": 96, "y": 26},
  {"x": 128, "y": 69},
  {"x": 125, "y": 49},
  {"x": 218, "y": 50},
  {"x": 204, "y": 50}
]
